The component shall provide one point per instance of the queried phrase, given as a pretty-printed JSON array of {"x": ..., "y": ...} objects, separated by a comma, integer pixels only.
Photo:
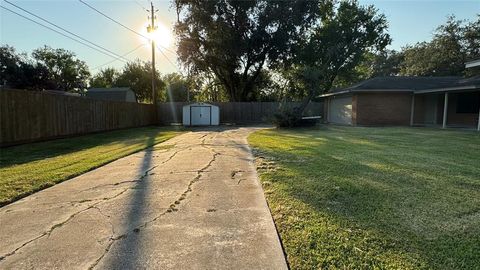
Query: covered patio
[{"x": 453, "y": 107}]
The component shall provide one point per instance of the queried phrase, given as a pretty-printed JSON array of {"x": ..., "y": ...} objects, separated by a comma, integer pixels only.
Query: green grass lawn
[
  {"x": 373, "y": 198},
  {"x": 28, "y": 168}
]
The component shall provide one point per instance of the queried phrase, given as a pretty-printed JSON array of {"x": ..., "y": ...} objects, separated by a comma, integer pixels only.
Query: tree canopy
[
  {"x": 64, "y": 70},
  {"x": 105, "y": 78},
  {"x": 235, "y": 39},
  {"x": 337, "y": 44},
  {"x": 138, "y": 76},
  {"x": 47, "y": 69},
  {"x": 453, "y": 43}
]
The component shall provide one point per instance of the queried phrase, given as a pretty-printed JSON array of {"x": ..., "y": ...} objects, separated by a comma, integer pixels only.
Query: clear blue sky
[{"x": 410, "y": 22}]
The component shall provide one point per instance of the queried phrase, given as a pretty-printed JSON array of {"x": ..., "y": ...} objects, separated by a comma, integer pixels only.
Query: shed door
[
  {"x": 340, "y": 110},
  {"x": 200, "y": 115}
]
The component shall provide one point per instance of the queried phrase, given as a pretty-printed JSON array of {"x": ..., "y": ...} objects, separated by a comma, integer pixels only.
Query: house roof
[
  {"x": 112, "y": 94},
  {"x": 474, "y": 63},
  {"x": 408, "y": 83},
  {"x": 113, "y": 89}
]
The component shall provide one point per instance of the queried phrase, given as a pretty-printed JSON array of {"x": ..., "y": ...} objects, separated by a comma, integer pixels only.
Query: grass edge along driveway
[
  {"x": 28, "y": 168},
  {"x": 373, "y": 198}
]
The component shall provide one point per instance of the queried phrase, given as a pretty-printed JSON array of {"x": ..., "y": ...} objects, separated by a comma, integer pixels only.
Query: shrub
[{"x": 286, "y": 117}]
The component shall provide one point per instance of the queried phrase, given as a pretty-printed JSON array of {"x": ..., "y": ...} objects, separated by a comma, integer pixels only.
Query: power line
[
  {"x": 59, "y": 27},
  {"x": 140, "y": 5},
  {"x": 119, "y": 23},
  {"x": 127, "y": 53},
  {"x": 167, "y": 58},
  {"x": 58, "y": 32}
]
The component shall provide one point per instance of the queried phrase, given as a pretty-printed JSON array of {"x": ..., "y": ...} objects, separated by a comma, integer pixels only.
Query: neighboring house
[
  {"x": 124, "y": 94},
  {"x": 425, "y": 101}
]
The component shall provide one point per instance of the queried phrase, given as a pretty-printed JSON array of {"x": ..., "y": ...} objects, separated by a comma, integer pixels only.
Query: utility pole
[{"x": 151, "y": 29}]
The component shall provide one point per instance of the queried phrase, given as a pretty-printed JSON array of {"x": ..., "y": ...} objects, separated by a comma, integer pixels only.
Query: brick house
[{"x": 406, "y": 101}]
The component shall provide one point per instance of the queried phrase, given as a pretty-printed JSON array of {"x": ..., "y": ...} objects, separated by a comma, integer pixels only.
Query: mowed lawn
[
  {"x": 28, "y": 168},
  {"x": 373, "y": 198}
]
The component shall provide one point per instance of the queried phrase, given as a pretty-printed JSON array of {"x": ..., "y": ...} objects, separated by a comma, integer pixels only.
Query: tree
[
  {"x": 138, "y": 76},
  {"x": 209, "y": 88},
  {"x": 177, "y": 88},
  {"x": 105, "y": 78},
  {"x": 382, "y": 63},
  {"x": 17, "y": 71},
  {"x": 235, "y": 39},
  {"x": 65, "y": 71},
  {"x": 10, "y": 66},
  {"x": 336, "y": 44},
  {"x": 453, "y": 44}
]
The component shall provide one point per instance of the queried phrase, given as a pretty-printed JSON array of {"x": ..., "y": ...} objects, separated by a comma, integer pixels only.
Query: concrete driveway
[{"x": 193, "y": 202}]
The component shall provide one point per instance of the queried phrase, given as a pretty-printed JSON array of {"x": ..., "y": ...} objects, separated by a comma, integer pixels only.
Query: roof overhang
[
  {"x": 474, "y": 63},
  {"x": 365, "y": 91},
  {"x": 449, "y": 89},
  {"x": 335, "y": 93}
]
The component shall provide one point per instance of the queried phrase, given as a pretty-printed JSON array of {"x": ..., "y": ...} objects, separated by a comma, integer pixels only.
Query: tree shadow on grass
[
  {"x": 16, "y": 155},
  {"x": 409, "y": 199}
]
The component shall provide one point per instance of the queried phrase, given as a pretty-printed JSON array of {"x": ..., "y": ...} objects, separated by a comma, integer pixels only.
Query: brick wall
[
  {"x": 459, "y": 119},
  {"x": 382, "y": 109}
]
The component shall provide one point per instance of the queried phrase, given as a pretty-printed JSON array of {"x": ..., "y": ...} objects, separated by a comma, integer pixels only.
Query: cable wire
[
  {"x": 140, "y": 5},
  {"x": 58, "y": 32},
  {"x": 167, "y": 58},
  {"x": 127, "y": 53},
  {"x": 59, "y": 27},
  {"x": 119, "y": 23}
]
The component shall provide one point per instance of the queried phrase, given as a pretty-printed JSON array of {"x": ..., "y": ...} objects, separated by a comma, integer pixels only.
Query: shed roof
[{"x": 112, "y": 94}]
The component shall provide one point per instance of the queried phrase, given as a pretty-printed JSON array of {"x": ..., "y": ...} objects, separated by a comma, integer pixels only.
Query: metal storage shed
[{"x": 201, "y": 114}]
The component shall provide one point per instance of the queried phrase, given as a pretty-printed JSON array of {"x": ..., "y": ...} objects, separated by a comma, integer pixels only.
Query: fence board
[
  {"x": 236, "y": 112},
  {"x": 28, "y": 116}
]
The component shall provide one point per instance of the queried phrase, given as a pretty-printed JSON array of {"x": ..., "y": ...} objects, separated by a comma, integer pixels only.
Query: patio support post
[
  {"x": 445, "y": 110},
  {"x": 478, "y": 127},
  {"x": 412, "y": 110},
  {"x": 328, "y": 110}
]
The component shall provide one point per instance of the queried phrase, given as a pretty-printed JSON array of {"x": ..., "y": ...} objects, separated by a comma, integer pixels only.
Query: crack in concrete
[
  {"x": 114, "y": 184},
  {"x": 234, "y": 173},
  {"x": 58, "y": 225},
  {"x": 99, "y": 201},
  {"x": 172, "y": 208},
  {"x": 141, "y": 177},
  {"x": 240, "y": 180},
  {"x": 112, "y": 238}
]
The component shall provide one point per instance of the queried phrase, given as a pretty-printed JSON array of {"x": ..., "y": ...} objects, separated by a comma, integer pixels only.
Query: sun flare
[{"x": 162, "y": 35}]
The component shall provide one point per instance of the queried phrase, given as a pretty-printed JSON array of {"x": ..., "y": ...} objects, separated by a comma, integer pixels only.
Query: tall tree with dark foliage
[{"x": 236, "y": 39}]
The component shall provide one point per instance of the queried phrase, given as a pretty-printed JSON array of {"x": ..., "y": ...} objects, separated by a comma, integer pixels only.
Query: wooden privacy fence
[
  {"x": 236, "y": 112},
  {"x": 27, "y": 116}
]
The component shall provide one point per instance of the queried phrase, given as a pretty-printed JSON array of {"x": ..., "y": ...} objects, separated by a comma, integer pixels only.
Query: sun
[{"x": 162, "y": 35}]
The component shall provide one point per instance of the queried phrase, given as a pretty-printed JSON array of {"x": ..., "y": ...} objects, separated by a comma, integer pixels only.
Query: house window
[{"x": 468, "y": 103}]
